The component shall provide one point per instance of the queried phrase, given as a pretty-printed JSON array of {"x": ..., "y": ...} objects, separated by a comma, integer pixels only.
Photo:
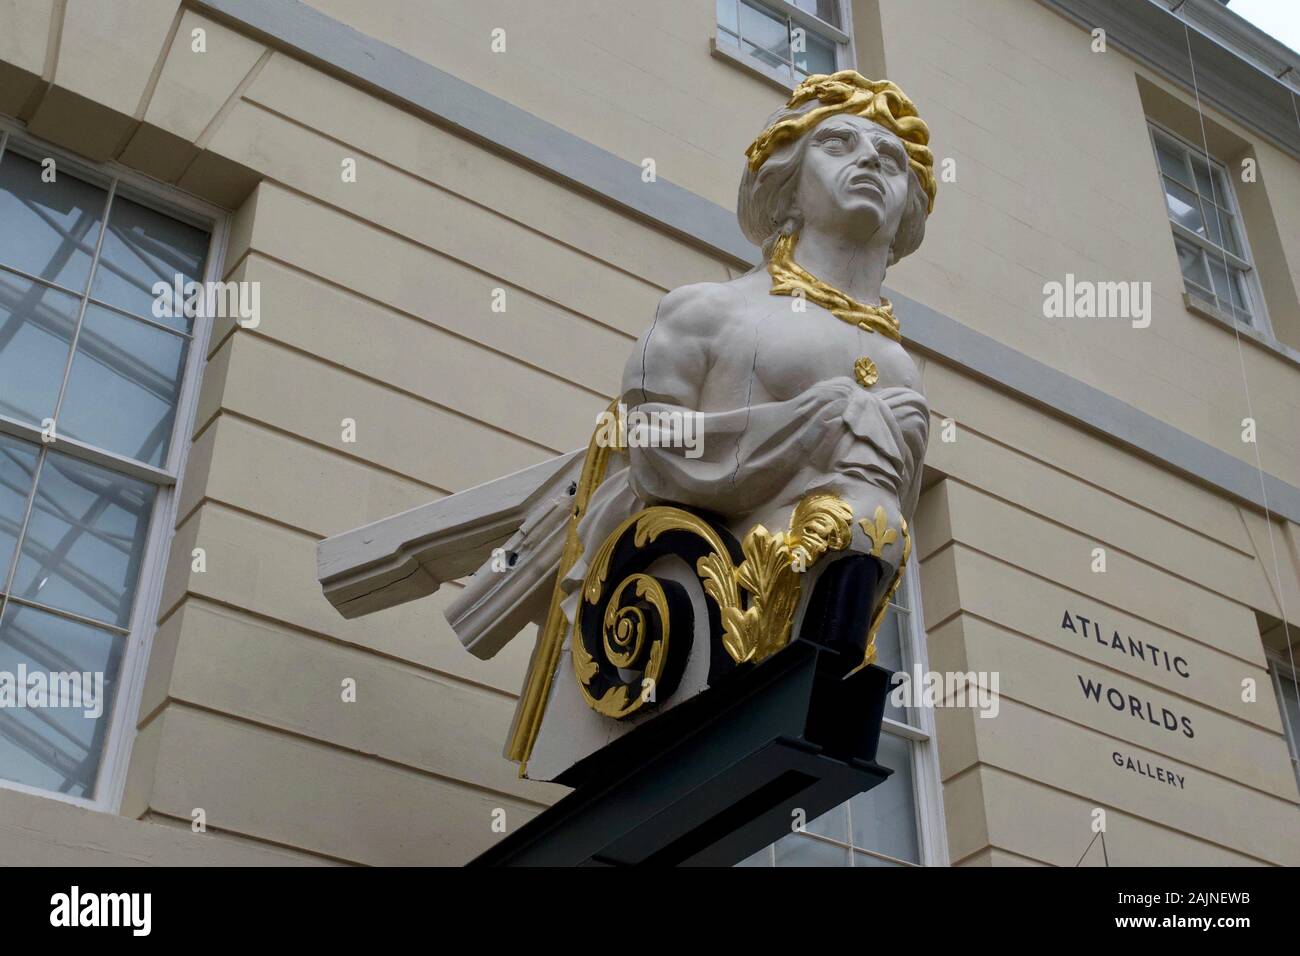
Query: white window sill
[{"x": 1207, "y": 310}]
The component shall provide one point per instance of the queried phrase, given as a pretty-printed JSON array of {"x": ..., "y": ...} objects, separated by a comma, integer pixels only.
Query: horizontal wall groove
[
  {"x": 453, "y": 782},
  {"x": 1150, "y": 821},
  {"x": 424, "y": 181},
  {"x": 1106, "y": 604},
  {"x": 423, "y": 320},
  {"x": 424, "y": 400},
  {"x": 1029, "y": 455},
  {"x": 1047, "y": 520},
  {"x": 444, "y": 254},
  {"x": 150, "y": 813}
]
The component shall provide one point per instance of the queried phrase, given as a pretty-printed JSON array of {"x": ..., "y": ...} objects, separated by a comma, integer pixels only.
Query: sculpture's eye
[
  {"x": 890, "y": 155},
  {"x": 835, "y": 142}
]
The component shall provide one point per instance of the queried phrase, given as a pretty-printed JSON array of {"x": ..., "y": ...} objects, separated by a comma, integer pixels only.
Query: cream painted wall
[
  {"x": 1055, "y": 175},
  {"x": 376, "y": 303},
  {"x": 1055, "y": 171},
  {"x": 1006, "y": 545}
]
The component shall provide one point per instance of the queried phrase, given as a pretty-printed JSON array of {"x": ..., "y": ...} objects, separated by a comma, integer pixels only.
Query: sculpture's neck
[
  {"x": 855, "y": 268},
  {"x": 792, "y": 278}
]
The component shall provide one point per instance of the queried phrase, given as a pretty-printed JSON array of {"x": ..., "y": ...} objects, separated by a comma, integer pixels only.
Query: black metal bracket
[{"x": 718, "y": 777}]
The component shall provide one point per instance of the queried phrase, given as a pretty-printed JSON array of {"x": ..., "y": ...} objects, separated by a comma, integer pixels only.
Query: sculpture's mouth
[{"x": 867, "y": 181}]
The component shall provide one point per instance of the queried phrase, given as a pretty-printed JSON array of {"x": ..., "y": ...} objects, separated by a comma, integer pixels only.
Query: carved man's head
[{"x": 844, "y": 150}]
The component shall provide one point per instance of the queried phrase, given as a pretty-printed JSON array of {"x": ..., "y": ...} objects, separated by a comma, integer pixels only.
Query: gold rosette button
[{"x": 864, "y": 370}]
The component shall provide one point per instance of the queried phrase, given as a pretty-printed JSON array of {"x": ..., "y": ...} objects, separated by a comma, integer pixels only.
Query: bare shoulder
[{"x": 698, "y": 309}]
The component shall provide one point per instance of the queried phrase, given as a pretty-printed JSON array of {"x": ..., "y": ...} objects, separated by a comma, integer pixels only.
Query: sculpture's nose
[{"x": 869, "y": 156}]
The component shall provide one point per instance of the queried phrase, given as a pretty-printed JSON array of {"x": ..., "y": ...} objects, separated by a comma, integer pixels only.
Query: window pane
[
  {"x": 727, "y": 14},
  {"x": 819, "y": 56},
  {"x": 36, "y": 324},
  {"x": 1220, "y": 276},
  {"x": 833, "y": 824},
  {"x": 767, "y": 36},
  {"x": 799, "y": 850},
  {"x": 142, "y": 247},
  {"x": 1200, "y": 292},
  {"x": 1172, "y": 162},
  {"x": 827, "y": 10},
  {"x": 17, "y": 466},
  {"x": 85, "y": 540},
  {"x": 884, "y": 819},
  {"x": 1203, "y": 185},
  {"x": 124, "y": 386},
  {"x": 1240, "y": 295},
  {"x": 1192, "y": 261},
  {"x": 49, "y": 229},
  {"x": 1221, "y": 187},
  {"x": 781, "y": 67},
  {"x": 1290, "y": 703},
  {"x": 1229, "y": 229},
  {"x": 1184, "y": 207},
  {"x": 56, "y": 748},
  {"x": 1222, "y": 228},
  {"x": 889, "y": 655},
  {"x": 866, "y": 859}
]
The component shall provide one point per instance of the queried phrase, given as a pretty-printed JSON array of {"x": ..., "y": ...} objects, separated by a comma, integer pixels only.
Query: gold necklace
[{"x": 790, "y": 278}]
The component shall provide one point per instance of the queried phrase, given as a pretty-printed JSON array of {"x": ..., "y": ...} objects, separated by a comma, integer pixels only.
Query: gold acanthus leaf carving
[
  {"x": 820, "y": 523},
  {"x": 769, "y": 574},
  {"x": 584, "y": 665}
]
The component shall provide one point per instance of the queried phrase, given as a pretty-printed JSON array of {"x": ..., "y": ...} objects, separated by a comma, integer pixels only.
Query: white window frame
[
  {"x": 1280, "y": 669},
  {"x": 927, "y": 787},
  {"x": 846, "y": 56},
  {"x": 1244, "y": 263},
  {"x": 110, "y": 780}
]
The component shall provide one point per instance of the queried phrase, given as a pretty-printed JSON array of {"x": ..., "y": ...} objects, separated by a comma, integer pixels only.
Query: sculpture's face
[{"x": 854, "y": 177}]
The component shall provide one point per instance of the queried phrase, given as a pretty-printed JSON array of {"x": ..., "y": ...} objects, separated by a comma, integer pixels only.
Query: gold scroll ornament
[{"x": 756, "y": 598}]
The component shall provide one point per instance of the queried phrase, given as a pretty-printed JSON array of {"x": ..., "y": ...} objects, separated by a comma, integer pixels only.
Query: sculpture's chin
[{"x": 862, "y": 218}]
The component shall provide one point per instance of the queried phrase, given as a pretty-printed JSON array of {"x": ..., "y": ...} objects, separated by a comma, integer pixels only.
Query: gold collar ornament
[{"x": 790, "y": 278}]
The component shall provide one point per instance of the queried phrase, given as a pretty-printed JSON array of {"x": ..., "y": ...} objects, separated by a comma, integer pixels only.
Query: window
[
  {"x": 785, "y": 39},
  {"x": 900, "y": 822},
  {"x": 1208, "y": 232},
  {"x": 1288, "y": 701},
  {"x": 94, "y": 391}
]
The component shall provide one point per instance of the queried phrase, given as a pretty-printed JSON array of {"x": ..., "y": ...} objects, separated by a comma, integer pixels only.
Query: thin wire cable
[
  {"x": 1085, "y": 852},
  {"x": 1241, "y": 358}
]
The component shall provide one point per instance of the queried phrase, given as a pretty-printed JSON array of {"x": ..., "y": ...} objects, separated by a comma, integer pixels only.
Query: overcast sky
[{"x": 1281, "y": 18}]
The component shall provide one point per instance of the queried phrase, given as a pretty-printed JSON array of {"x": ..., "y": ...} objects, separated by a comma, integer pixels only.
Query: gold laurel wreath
[{"x": 850, "y": 92}]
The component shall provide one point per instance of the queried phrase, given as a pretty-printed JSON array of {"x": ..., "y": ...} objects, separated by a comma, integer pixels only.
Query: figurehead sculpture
[{"x": 682, "y": 563}]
